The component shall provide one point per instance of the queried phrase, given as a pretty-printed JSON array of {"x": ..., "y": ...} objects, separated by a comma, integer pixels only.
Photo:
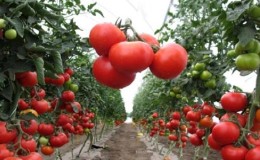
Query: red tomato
[
  {"x": 63, "y": 119},
  {"x": 12, "y": 158},
  {"x": 213, "y": 143},
  {"x": 73, "y": 107},
  {"x": 59, "y": 81},
  {"x": 131, "y": 57},
  {"x": 155, "y": 115},
  {"x": 239, "y": 117},
  {"x": 175, "y": 123},
  {"x": 67, "y": 96},
  {"x": 29, "y": 145},
  {"x": 169, "y": 61},
  {"x": 22, "y": 105},
  {"x": 200, "y": 132},
  {"x": 32, "y": 156},
  {"x": 206, "y": 122},
  {"x": 172, "y": 137},
  {"x": 176, "y": 115},
  {"x": 195, "y": 140},
  {"x": 193, "y": 116},
  {"x": 233, "y": 101},
  {"x": 149, "y": 39},
  {"x": 253, "y": 154},
  {"x": 253, "y": 139},
  {"x": 4, "y": 153},
  {"x": 6, "y": 136},
  {"x": 30, "y": 127},
  {"x": 225, "y": 133},
  {"x": 45, "y": 129},
  {"x": 103, "y": 36},
  {"x": 102, "y": 69},
  {"x": 207, "y": 109},
  {"x": 40, "y": 94},
  {"x": 186, "y": 109},
  {"x": 27, "y": 79},
  {"x": 47, "y": 150},
  {"x": 58, "y": 140},
  {"x": 41, "y": 106},
  {"x": 231, "y": 152},
  {"x": 69, "y": 71}
]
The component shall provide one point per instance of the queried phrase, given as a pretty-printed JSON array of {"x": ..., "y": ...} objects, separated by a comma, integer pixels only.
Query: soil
[{"x": 124, "y": 143}]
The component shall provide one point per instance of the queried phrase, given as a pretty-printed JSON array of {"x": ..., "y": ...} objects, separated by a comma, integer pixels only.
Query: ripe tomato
[
  {"x": 253, "y": 154},
  {"x": 172, "y": 137},
  {"x": 131, "y": 57},
  {"x": 175, "y": 123},
  {"x": 6, "y": 135},
  {"x": 225, "y": 133},
  {"x": 30, "y": 127},
  {"x": 253, "y": 139},
  {"x": 155, "y": 115},
  {"x": 206, "y": 122},
  {"x": 32, "y": 156},
  {"x": 29, "y": 145},
  {"x": 22, "y": 105},
  {"x": 233, "y": 101},
  {"x": 67, "y": 96},
  {"x": 31, "y": 111},
  {"x": 207, "y": 109},
  {"x": 213, "y": 143},
  {"x": 40, "y": 93},
  {"x": 63, "y": 119},
  {"x": 27, "y": 79},
  {"x": 59, "y": 81},
  {"x": 186, "y": 109},
  {"x": 257, "y": 115},
  {"x": 195, "y": 140},
  {"x": 241, "y": 119},
  {"x": 176, "y": 115},
  {"x": 4, "y": 152},
  {"x": 41, "y": 106},
  {"x": 45, "y": 129},
  {"x": 69, "y": 71},
  {"x": 103, "y": 36},
  {"x": 102, "y": 69},
  {"x": 47, "y": 150},
  {"x": 169, "y": 61},
  {"x": 58, "y": 140},
  {"x": 73, "y": 107},
  {"x": 12, "y": 158},
  {"x": 231, "y": 152},
  {"x": 151, "y": 40},
  {"x": 193, "y": 116}
]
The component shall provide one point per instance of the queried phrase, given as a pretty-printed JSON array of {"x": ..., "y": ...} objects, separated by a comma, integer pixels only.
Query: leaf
[
  {"x": 57, "y": 62},
  {"x": 246, "y": 34},
  {"x": 17, "y": 24},
  {"x": 39, "y": 64},
  {"x": 234, "y": 14},
  {"x": 90, "y": 6},
  {"x": 7, "y": 93}
]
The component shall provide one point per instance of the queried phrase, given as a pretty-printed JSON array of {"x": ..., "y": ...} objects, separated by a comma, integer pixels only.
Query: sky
[{"x": 146, "y": 16}]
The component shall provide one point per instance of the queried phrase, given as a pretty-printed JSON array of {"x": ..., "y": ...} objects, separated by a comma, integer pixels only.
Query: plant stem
[{"x": 84, "y": 143}]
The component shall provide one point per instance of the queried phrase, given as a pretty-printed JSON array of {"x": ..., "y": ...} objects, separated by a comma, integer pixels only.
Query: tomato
[
  {"x": 103, "y": 36},
  {"x": 47, "y": 150},
  {"x": 206, "y": 122},
  {"x": 45, "y": 129},
  {"x": 176, "y": 115},
  {"x": 66, "y": 76},
  {"x": 213, "y": 143},
  {"x": 253, "y": 46},
  {"x": 151, "y": 40},
  {"x": 43, "y": 140},
  {"x": 58, "y": 140},
  {"x": 30, "y": 127},
  {"x": 73, "y": 107},
  {"x": 232, "y": 53},
  {"x": 200, "y": 66},
  {"x": 172, "y": 137},
  {"x": 59, "y": 81},
  {"x": 2, "y": 23},
  {"x": 4, "y": 152},
  {"x": 253, "y": 139},
  {"x": 102, "y": 69},
  {"x": 257, "y": 115},
  {"x": 186, "y": 109},
  {"x": 231, "y": 152},
  {"x": 10, "y": 34},
  {"x": 155, "y": 115},
  {"x": 74, "y": 87},
  {"x": 253, "y": 154},
  {"x": 233, "y": 101},
  {"x": 241, "y": 119},
  {"x": 40, "y": 93},
  {"x": 210, "y": 83},
  {"x": 41, "y": 106},
  {"x": 32, "y": 156},
  {"x": 12, "y": 158},
  {"x": 22, "y": 105},
  {"x": 67, "y": 96},
  {"x": 63, "y": 119},
  {"x": 6, "y": 135},
  {"x": 256, "y": 126},
  {"x": 184, "y": 138},
  {"x": 195, "y": 140},
  {"x": 225, "y": 133},
  {"x": 248, "y": 62},
  {"x": 207, "y": 109},
  {"x": 131, "y": 57},
  {"x": 254, "y": 11},
  {"x": 205, "y": 75},
  {"x": 69, "y": 71},
  {"x": 29, "y": 145},
  {"x": 169, "y": 61},
  {"x": 27, "y": 79},
  {"x": 193, "y": 116},
  {"x": 175, "y": 123},
  {"x": 31, "y": 111},
  {"x": 200, "y": 132}
]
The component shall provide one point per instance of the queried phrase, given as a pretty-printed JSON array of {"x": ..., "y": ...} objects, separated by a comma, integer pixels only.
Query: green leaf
[
  {"x": 57, "y": 62},
  {"x": 90, "y": 6},
  {"x": 246, "y": 34},
  {"x": 234, "y": 14},
  {"x": 17, "y": 24},
  {"x": 39, "y": 64},
  {"x": 7, "y": 92}
]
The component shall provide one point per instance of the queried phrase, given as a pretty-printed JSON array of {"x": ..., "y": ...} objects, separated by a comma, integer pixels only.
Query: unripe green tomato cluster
[
  {"x": 254, "y": 11},
  {"x": 246, "y": 56},
  {"x": 176, "y": 93},
  {"x": 8, "y": 33}
]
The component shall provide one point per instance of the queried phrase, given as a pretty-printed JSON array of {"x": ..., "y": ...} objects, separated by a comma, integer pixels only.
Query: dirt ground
[{"x": 124, "y": 143}]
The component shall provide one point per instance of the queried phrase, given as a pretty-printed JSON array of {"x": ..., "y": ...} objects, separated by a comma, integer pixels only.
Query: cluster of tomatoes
[
  {"x": 119, "y": 59},
  {"x": 228, "y": 133},
  {"x": 8, "y": 34},
  {"x": 32, "y": 133}
]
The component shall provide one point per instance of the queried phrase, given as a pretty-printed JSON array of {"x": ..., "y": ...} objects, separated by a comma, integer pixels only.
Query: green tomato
[
  {"x": 67, "y": 83},
  {"x": 205, "y": 75},
  {"x": 87, "y": 131},
  {"x": 2, "y": 23},
  {"x": 178, "y": 96},
  {"x": 199, "y": 66},
  {"x": 247, "y": 62},
  {"x": 254, "y": 11},
  {"x": 195, "y": 74},
  {"x": 176, "y": 89},
  {"x": 232, "y": 54},
  {"x": 172, "y": 94},
  {"x": 239, "y": 48},
  {"x": 10, "y": 34},
  {"x": 253, "y": 46},
  {"x": 74, "y": 87},
  {"x": 43, "y": 140},
  {"x": 211, "y": 84}
]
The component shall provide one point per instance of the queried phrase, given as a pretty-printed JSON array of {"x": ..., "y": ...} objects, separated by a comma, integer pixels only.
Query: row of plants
[
  {"x": 199, "y": 107},
  {"x": 48, "y": 95}
]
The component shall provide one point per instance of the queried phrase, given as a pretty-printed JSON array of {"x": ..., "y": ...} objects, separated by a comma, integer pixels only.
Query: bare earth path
[{"x": 125, "y": 145}]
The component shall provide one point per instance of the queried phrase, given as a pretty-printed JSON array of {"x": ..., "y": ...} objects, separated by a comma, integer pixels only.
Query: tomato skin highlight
[
  {"x": 105, "y": 74},
  {"x": 103, "y": 36},
  {"x": 131, "y": 57},
  {"x": 169, "y": 61}
]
